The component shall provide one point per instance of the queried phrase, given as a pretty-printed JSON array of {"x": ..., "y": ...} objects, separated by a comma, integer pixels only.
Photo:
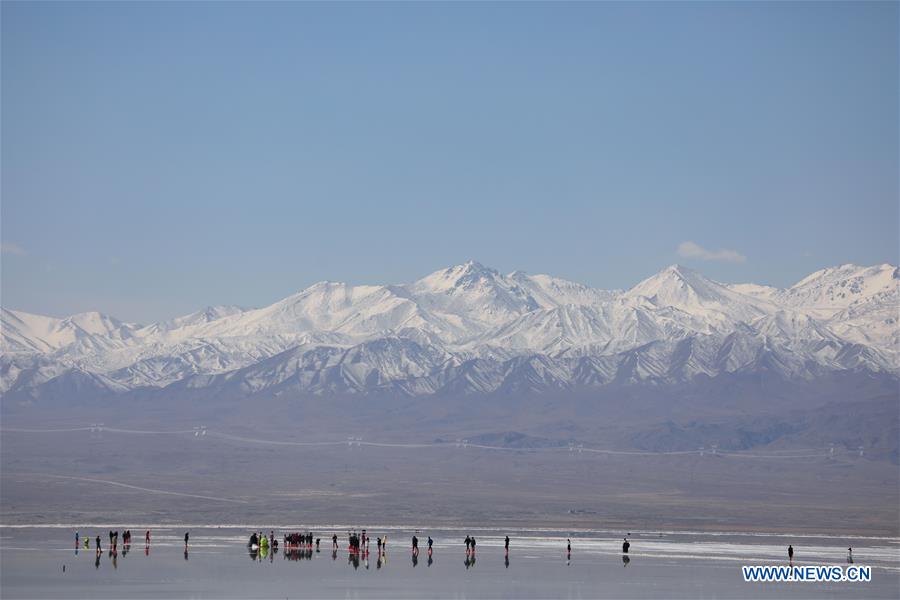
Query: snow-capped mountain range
[{"x": 470, "y": 329}]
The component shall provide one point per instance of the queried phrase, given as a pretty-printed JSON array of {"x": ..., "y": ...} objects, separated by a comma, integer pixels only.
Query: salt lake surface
[{"x": 219, "y": 565}]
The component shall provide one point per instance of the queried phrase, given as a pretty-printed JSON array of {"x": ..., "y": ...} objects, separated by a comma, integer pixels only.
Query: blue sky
[{"x": 160, "y": 157}]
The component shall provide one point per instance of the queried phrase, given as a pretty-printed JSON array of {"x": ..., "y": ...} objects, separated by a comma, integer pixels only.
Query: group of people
[
  {"x": 85, "y": 543},
  {"x": 113, "y": 540},
  {"x": 301, "y": 540},
  {"x": 259, "y": 540},
  {"x": 359, "y": 543},
  {"x": 415, "y": 545},
  {"x": 356, "y": 541}
]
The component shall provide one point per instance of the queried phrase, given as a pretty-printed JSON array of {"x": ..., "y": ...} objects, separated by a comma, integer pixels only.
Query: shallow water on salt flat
[{"x": 218, "y": 564}]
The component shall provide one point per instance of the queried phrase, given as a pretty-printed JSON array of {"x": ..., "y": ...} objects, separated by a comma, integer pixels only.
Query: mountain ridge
[{"x": 473, "y": 329}]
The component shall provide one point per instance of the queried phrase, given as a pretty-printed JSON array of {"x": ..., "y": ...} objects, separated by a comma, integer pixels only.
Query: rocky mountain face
[{"x": 469, "y": 329}]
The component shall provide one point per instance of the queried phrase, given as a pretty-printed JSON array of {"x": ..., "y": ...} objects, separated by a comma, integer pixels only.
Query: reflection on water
[{"x": 292, "y": 553}]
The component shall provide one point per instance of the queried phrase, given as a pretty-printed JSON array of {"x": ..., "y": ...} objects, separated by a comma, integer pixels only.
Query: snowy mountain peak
[
  {"x": 678, "y": 270},
  {"x": 472, "y": 295},
  {"x": 474, "y": 265},
  {"x": 676, "y": 285},
  {"x": 466, "y": 275},
  {"x": 690, "y": 292}
]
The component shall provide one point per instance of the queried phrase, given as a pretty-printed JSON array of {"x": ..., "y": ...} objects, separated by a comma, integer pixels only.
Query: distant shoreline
[{"x": 484, "y": 529}]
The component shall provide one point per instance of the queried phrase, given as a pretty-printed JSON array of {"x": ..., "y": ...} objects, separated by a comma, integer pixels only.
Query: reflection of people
[
  {"x": 185, "y": 553},
  {"x": 430, "y": 559},
  {"x": 506, "y": 560},
  {"x": 415, "y": 558},
  {"x": 625, "y": 560}
]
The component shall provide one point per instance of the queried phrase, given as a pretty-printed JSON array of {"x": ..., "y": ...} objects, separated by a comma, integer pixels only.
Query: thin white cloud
[
  {"x": 12, "y": 248},
  {"x": 690, "y": 249}
]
